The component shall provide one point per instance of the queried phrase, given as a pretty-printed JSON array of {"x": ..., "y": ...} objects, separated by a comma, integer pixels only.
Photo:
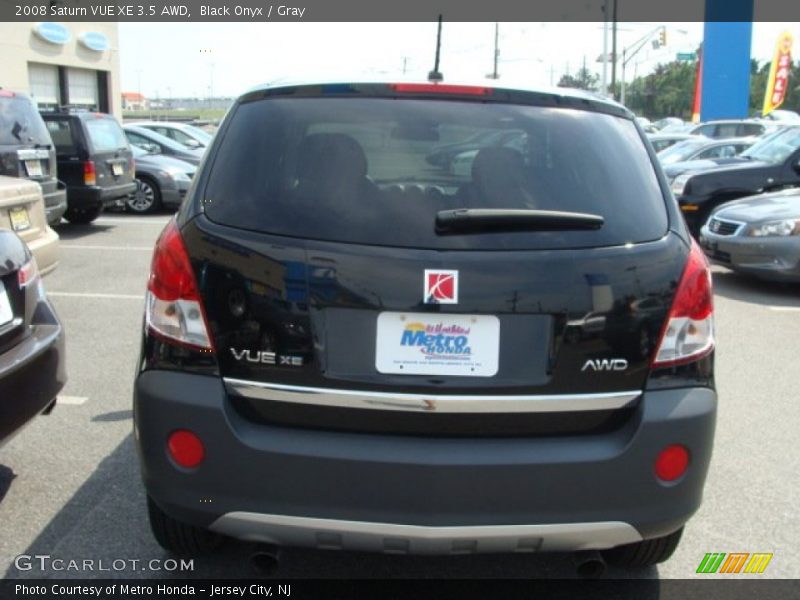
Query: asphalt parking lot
[{"x": 70, "y": 488}]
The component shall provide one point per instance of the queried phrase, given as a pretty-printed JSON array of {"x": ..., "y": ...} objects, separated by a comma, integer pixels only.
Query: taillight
[
  {"x": 28, "y": 273},
  {"x": 173, "y": 308},
  {"x": 89, "y": 173},
  {"x": 689, "y": 332}
]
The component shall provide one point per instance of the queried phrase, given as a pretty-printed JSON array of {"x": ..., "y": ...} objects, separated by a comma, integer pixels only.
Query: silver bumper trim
[
  {"x": 393, "y": 538},
  {"x": 443, "y": 403}
]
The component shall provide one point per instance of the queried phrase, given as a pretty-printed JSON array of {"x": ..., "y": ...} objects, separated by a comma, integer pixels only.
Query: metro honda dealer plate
[{"x": 437, "y": 344}]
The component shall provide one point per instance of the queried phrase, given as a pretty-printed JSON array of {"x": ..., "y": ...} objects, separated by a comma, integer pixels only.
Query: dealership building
[{"x": 60, "y": 64}]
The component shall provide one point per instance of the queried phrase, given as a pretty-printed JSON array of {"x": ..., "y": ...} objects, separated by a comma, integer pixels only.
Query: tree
[{"x": 582, "y": 80}]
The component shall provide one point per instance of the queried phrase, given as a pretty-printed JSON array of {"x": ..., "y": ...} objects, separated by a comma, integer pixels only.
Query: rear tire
[
  {"x": 180, "y": 538},
  {"x": 644, "y": 554},
  {"x": 82, "y": 216}
]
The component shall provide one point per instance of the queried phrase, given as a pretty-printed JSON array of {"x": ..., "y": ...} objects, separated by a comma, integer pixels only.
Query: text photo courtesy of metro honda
[{"x": 354, "y": 348}]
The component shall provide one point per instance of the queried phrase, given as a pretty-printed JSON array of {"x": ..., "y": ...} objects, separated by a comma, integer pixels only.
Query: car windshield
[
  {"x": 359, "y": 171},
  {"x": 105, "y": 134},
  {"x": 775, "y": 148},
  {"x": 680, "y": 151},
  {"x": 197, "y": 133},
  {"x": 20, "y": 123}
]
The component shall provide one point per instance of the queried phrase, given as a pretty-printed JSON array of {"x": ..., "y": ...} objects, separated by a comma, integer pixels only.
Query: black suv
[
  {"x": 95, "y": 161},
  {"x": 347, "y": 347},
  {"x": 26, "y": 150}
]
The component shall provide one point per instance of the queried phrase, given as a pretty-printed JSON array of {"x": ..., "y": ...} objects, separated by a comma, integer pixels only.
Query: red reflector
[
  {"x": 6, "y": 94},
  {"x": 672, "y": 463},
  {"x": 185, "y": 448},
  {"x": 440, "y": 88}
]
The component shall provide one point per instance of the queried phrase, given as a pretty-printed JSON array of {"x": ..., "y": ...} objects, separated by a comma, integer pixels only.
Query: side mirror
[
  {"x": 150, "y": 148},
  {"x": 192, "y": 144}
]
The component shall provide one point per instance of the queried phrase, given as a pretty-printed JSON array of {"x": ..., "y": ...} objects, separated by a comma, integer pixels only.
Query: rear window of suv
[
  {"x": 370, "y": 171},
  {"x": 20, "y": 123},
  {"x": 105, "y": 134}
]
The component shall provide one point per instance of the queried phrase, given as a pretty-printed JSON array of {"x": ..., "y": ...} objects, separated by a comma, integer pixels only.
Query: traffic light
[{"x": 662, "y": 37}]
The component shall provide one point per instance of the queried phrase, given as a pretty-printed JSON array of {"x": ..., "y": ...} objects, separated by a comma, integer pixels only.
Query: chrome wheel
[{"x": 144, "y": 199}]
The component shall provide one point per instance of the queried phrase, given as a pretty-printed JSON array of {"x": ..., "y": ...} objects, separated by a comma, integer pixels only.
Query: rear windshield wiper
[{"x": 479, "y": 220}]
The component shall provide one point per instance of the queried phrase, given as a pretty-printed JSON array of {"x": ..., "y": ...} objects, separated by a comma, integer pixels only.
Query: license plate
[
  {"x": 19, "y": 218},
  {"x": 34, "y": 168},
  {"x": 5, "y": 306},
  {"x": 116, "y": 169},
  {"x": 437, "y": 344}
]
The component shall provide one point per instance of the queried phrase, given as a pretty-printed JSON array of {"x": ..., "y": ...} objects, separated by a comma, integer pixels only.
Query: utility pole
[
  {"x": 405, "y": 64},
  {"x": 604, "y": 80},
  {"x": 496, "y": 49},
  {"x": 614, "y": 49}
]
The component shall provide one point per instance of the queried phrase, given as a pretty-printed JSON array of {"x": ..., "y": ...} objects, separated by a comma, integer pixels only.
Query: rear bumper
[
  {"x": 45, "y": 250},
  {"x": 774, "y": 259},
  {"x": 93, "y": 196},
  {"x": 55, "y": 204},
  {"x": 420, "y": 494},
  {"x": 31, "y": 373}
]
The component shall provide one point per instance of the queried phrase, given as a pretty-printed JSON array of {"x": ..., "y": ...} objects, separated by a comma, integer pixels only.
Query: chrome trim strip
[
  {"x": 442, "y": 403},
  {"x": 395, "y": 538},
  {"x": 32, "y": 154}
]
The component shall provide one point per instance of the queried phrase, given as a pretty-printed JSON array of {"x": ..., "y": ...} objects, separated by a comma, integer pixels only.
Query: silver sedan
[{"x": 759, "y": 235}]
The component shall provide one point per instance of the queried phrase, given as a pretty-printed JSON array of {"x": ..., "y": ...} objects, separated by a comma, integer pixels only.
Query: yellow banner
[{"x": 778, "y": 74}]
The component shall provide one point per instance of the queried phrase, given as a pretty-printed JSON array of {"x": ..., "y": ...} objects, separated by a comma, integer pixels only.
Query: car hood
[
  {"x": 766, "y": 207},
  {"x": 160, "y": 162}
]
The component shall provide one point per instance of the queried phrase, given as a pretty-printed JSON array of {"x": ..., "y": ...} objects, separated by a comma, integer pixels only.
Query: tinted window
[
  {"x": 751, "y": 129},
  {"x": 727, "y": 130},
  {"x": 20, "y": 123},
  {"x": 357, "y": 170},
  {"x": 62, "y": 135},
  {"x": 706, "y": 130},
  {"x": 105, "y": 134}
]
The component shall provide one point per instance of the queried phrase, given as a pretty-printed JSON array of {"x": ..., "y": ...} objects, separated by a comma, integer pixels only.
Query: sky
[{"x": 225, "y": 59}]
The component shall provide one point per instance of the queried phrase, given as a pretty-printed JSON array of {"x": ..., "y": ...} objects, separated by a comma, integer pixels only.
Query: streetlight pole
[{"x": 604, "y": 82}]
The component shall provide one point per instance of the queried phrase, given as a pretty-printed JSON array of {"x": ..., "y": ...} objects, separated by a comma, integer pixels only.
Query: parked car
[
  {"x": 22, "y": 211},
  {"x": 162, "y": 182},
  {"x": 182, "y": 133},
  {"x": 344, "y": 349},
  {"x": 783, "y": 116},
  {"x": 32, "y": 363},
  {"x": 462, "y": 163},
  {"x": 704, "y": 149},
  {"x": 673, "y": 122},
  {"x": 151, "y": 141},
  {"x": 646, "y": 125},
  {"x": 770, "y": 164},
  {"x": 26, "y": 150},
  {"x": 759, "y": 235},
  {"x": 662, "y": 141},
  {"x": 94, "y": 160},
  {"x": 732, "y": 128},
  {"x": 443, "y": 155}
]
